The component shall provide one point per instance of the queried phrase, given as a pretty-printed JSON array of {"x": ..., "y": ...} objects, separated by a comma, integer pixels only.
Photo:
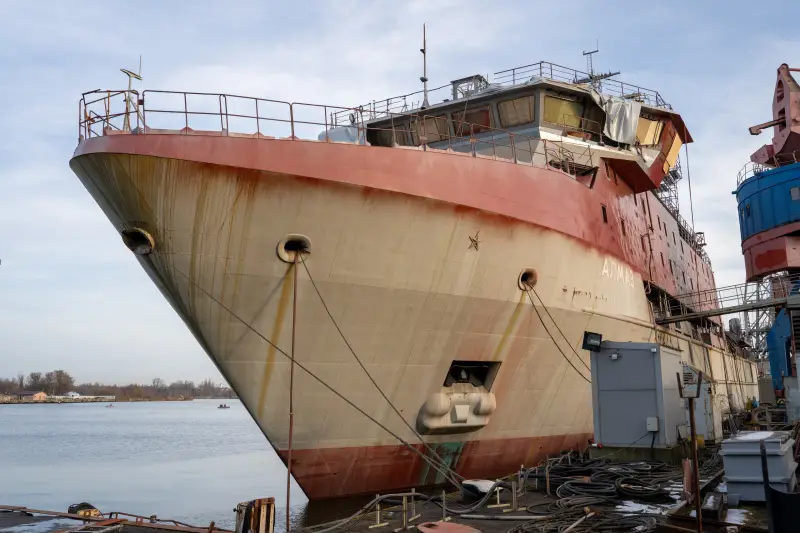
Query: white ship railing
[
  {"x": 749, "y": 170},
  {"x": 122, "y": 112}
]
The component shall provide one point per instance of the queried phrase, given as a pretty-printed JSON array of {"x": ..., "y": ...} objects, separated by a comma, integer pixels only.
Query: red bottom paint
[{"x": 338, "y": 472}]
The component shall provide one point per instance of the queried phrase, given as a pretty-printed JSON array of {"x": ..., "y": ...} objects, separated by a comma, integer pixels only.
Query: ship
[{"x": 399, "y": 292}]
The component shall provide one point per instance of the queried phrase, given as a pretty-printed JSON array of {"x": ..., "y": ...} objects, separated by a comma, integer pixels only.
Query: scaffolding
[
  {"x": 757, "y": 323},
  {"x": 667, "y": 192}
]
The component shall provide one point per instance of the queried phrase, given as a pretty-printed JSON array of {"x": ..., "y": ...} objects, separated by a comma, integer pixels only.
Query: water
[{"x": 184, "y": 460}]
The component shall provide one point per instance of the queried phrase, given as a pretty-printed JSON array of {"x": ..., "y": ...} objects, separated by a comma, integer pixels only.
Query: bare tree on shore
[{"x": 60, "y": 382}]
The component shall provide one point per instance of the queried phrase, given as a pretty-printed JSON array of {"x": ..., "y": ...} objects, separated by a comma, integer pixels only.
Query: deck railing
[
  {"x": 552, "y": 71},
  {"x": 405, "y": 103},
  {"x": 750, "y": 168},
  {"x": 107, "y": 112}
]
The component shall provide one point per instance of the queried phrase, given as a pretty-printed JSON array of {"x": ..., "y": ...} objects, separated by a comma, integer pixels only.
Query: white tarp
[
  {"x": 622, "y": 117},
  {"x": 345, "y": 134}
]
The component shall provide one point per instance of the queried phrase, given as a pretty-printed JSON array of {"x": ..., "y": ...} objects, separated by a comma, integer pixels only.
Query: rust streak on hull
[{"x": 277, "y": 327}]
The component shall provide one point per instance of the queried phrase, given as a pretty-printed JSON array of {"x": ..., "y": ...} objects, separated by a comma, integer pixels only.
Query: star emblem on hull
[{"x": 475, "y": 241}]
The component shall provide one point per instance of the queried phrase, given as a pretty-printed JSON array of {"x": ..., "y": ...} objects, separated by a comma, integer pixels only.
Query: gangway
[
  {"x": 769, "y": 293},
  {"x": 792, "y": 303},
  {"x": 774, "y": 301}
]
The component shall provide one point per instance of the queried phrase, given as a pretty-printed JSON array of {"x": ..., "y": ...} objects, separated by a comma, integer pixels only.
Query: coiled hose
[{"x": 586, "y": 488}]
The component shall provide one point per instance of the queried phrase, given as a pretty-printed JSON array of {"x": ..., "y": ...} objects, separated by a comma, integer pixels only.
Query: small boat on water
[{"x": 224, "y": 406}]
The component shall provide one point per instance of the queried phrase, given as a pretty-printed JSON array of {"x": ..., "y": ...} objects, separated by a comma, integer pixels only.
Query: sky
[{"x": 73, "y": 297}]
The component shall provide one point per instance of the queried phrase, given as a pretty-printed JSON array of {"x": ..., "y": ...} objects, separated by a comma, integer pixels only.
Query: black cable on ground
[
  {"x": 586, "y": 488},
  {"x": 639, "y": 490}
]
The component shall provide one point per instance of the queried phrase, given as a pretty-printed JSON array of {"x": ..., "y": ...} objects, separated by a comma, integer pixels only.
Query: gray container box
[
  {"x": 751, "y": 491},
  {"x": 741, "y": 455},
  {"x": 631, "y": 383}
]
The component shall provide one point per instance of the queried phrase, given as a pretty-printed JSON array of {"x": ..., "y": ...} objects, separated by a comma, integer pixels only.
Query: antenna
[
  {"x": 593, "y": 78},
  {"x": 126, "y": 124},
  {"x": 424, "y": 78},
  {"x": 589, "y": 66}
]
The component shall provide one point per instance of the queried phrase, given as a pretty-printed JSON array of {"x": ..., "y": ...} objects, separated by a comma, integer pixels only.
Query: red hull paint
[
  {"x": 771, "y": 251},
  {"x": 638, "y": 230},
  {"x": 338, "y": 472}
]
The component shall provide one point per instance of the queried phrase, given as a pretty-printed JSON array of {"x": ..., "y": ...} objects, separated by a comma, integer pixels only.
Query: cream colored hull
[{"x": 406, "y": 283}]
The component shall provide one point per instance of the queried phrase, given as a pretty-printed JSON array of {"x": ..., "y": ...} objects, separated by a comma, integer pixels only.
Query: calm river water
[{"x": 184, "y": 460}]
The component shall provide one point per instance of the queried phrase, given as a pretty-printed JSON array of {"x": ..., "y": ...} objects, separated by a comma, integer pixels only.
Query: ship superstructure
[{"x": 448, "y": 256}]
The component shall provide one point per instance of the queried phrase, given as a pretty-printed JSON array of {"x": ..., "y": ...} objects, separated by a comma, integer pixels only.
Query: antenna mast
[
  {"x": 126, "y": 123},
  {"x": 593, "y": 78},
  {"x": 424, "y": 78}
]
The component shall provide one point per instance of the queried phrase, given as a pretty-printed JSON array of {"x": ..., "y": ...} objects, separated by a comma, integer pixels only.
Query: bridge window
[
  {"x": 662, "y": 258},
  {"x": 670, "y": 267},
  {"x": 779, "y": 91},
  {"x": 427, "y": 130},
  {"x": 562, "y": 110},
  {"x": 516, "y": 112},
  {"x": 622, "y": 225},
  {"x": 389, "y": 136},
  {"x": 605, "y": 214},
  {"x": 795, "y": 193},
  {"x": 472, "y": 121},
  {"x": 648, "y": 132},
  {"x": 671, "y": 149}
]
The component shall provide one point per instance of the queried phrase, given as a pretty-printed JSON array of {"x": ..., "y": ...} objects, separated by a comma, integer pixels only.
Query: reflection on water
[{"x": 184, "y": 460}]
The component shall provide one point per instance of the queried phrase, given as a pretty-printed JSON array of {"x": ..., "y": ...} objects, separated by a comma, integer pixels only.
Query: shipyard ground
[
  {"x": 601, "y": 496},
  {"x": 497, "y": 521},
  {"x": 532, "y": 515},
  {"x": 672, "y": 517}
]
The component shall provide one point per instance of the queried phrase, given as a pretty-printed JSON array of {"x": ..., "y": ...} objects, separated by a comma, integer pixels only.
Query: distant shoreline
[{"x": 103, "y": 400}]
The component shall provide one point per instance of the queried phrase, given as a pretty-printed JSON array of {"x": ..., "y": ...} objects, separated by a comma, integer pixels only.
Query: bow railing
[{"x": 124, "y": 112}]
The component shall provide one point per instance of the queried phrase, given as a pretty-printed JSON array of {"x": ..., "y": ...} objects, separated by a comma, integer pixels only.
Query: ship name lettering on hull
[{"x": 619, "y": 272}]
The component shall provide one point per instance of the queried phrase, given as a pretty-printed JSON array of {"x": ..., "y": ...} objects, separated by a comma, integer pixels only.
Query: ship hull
[{"x": 415, "y": 275}]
